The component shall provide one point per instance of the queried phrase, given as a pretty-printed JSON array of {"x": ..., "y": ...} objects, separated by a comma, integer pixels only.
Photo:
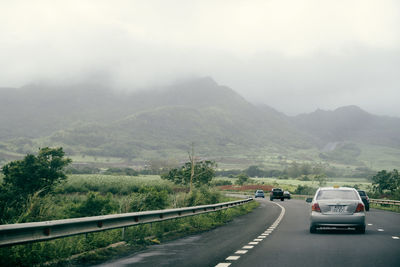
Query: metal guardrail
[
  {"x": 12, "y": 234},
  {"x": 385, "y": 202}
]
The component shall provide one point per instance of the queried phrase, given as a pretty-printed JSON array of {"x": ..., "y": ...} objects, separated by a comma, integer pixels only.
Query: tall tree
[
  {"x": 33, "y": 175},
  {"x": 197, "y": 173},
  {"x": 386, "y": 181}
]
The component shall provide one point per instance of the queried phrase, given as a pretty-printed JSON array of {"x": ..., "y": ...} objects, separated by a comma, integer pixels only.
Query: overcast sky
[{"x": 295, "y": 56}]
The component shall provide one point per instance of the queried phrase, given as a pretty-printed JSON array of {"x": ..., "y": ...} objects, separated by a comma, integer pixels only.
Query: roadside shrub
[
  {"x": 304, "y": 190},
  {"x": 202, "y": 196},
  {"x": 149, "y": 198},
  {"x": 95, "y": 204},
  {"x": 242, "y": 178},
  {"x": 221, "y": 182}
]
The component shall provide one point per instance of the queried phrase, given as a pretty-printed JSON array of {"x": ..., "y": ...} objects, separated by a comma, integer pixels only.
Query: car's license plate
[{"x": 337, "y": 208}]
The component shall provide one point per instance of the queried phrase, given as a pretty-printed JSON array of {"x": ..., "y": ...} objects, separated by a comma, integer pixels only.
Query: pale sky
[{"x": 295, "y": 56}]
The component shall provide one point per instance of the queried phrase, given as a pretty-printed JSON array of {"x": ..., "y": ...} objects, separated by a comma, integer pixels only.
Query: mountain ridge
[{"x": 91, "y": 120}]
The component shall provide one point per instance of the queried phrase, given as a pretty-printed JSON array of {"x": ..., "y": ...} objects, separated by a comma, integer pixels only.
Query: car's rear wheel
[
  {"x": 313, "y": 229},
  {"x": 282, "y": 199},
  {"x": 271, "y": 199},
  {"x": 367, "y": 207}
]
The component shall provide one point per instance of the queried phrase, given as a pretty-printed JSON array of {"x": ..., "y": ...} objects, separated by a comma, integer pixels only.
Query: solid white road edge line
[{"x": 256, "y": 240}]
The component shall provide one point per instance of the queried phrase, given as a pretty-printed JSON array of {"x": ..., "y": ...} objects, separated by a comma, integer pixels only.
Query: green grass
[
  {"x": 58, "y": 252},
  {"x": 127, "y": 193},
  {"x": 116, "y": 184}
]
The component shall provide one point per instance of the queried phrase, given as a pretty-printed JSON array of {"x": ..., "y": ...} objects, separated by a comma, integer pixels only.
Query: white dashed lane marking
[
  {"x": 256, "y": 241},
  {"x": 395, "y": 237},
  {"x": 380, "y": 230}
]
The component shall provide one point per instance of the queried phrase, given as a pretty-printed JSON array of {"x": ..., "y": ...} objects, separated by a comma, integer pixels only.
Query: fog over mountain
[
  {"x": 162, "y": 122},
  {"x": 295, "y": 56}
]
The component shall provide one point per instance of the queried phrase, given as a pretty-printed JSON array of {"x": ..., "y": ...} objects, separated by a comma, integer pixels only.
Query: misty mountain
[
  {"x": 89, "y": 119},
  {"x": 98, "y": 121},
  {"x": 350, "y": 124}
]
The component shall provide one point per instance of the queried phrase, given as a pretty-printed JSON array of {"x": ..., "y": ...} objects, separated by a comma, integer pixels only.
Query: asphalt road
[{"x": 276, "y": 234}]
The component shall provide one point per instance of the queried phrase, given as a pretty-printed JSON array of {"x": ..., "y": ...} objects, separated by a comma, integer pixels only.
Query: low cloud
[{"x": 313, "y": 55}]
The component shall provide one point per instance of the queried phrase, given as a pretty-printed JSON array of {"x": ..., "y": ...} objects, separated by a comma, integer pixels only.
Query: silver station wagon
[{"x": 338, "y": 207}]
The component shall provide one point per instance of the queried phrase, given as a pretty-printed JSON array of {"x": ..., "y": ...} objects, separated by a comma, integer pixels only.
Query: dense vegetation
[
  {"x": 387, "y": 184},
  {"x": 49, "y": 194},
  {"x": 202, "y": 174},
  {"x": 28, "y": 180}
]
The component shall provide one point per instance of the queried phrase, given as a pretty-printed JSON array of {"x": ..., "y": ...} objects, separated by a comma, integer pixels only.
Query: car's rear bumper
[{"x": 330, "y": 220}]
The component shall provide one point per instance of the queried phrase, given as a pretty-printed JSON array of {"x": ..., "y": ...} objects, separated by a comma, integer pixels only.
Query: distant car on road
[
  {"x": 259, "y": 193},
  {"x": 276, "y": 193},
  {"x": 364, "y": 198},
  {"x": 286, "y": 194},
  {"x": 339, "y": 207}
]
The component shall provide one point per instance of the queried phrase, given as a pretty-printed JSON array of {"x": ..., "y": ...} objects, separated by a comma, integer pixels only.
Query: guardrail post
[{"x": 123, "y": 233}]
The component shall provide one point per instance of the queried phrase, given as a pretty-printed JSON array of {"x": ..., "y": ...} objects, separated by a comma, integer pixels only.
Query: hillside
[
  {"x": 350, "y": 124},
  {"x": 350, "y": 135},
  {"x": 99, "y": 122},
  {"x": 93, "y": 120}
]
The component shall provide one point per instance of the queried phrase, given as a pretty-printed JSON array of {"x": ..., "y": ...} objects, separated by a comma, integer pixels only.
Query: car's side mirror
[{"x": 309, "y": 199}]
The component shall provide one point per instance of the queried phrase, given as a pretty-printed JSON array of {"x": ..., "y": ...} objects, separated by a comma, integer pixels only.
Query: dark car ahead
[
  {"x": 276, "y": 193},
  {"x": 259, "y": 193},
  {"x": 286, "y": 194},
  {"x": 364, "y": 198}
]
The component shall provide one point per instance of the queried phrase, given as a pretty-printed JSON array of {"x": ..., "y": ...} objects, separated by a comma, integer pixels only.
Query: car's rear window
[
  {"x": 362, "y": 193},
  {"x": 337, "y": 194},
  {"x": 260, "y": 191}
]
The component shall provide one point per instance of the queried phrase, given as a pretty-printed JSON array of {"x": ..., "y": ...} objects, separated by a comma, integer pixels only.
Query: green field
[{"x": 116, "y": 184}]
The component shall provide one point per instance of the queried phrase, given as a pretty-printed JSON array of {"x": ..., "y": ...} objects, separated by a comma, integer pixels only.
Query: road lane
[
  {"x": 208, "y": 248},
  {"x": 291, "y": 244},
  {"x": 256, "y": 239}
]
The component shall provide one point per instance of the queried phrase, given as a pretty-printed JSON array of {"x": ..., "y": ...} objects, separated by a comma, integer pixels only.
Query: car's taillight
[
  {"x": 315, "y": 207},
  {"x": 360, "y": 207}
]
